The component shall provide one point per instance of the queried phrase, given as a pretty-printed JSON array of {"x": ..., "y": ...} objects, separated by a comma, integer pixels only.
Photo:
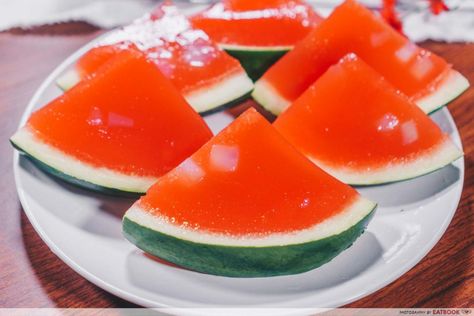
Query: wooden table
[{"x": 32, "y": 276}]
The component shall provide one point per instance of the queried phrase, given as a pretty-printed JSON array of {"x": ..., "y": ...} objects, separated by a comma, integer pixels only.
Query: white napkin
[
  {"x": 103, "y": 13},
  {"x": 419, "y": 24}
]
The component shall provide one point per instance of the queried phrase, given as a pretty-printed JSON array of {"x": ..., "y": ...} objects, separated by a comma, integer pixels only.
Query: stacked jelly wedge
[
  {"x": 247, "y": 204},
  {"x": 257, "y": 32},
  {"x": 355, "y": 125},
  {"x": 424, "y": 77},
  {"x": 116, "y": 131},
  {"x": 207, "y": 76}
]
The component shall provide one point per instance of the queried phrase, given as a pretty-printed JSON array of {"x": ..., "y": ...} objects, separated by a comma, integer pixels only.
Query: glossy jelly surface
[
  {"x": 352, "y": 28},
  {"x": 126, "y": 117},
  {"x": 353, "y": 118},
  {"x": 257, "y": 23},
  {"x": 98, "y": 56},
  {"x": 184, "y": 55},
  {"x": 247, "y": 180}
]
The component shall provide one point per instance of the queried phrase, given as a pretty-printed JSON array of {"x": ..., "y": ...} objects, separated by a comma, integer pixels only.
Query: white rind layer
[
  {"x": 224, "y": 91},
  {"x": 441, "y": 156},
  {"x": 269, "y": 98},
  {"x": 451, "y": 87},
  {"x": 29, "y": 143},
  {"x": 68, "y": 80},
  {"x": 248, "y": 48},
  {"x": 329, "y": 227}
]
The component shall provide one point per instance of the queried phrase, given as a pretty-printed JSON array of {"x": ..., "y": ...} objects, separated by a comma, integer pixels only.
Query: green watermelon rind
[
  {"x": 244, "y": 261},
  {"x": 265, "y": 95},
  {"x": 256, "y": 61},
  {"x": 228, "y": 105},
  {"x": 89, "y": 186},
  {"x": 75, "y": 180},
  {"x": 229, "y": 91},
  {"x": 446, "y": 92},
  {"x": 436, "y": 159},
  {"x": 450, "y": 89}
]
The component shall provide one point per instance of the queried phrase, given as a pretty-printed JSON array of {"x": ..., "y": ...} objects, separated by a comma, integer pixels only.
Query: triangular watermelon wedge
[
  {"x": 247, "y": 204},
  {"x": 207, "y": 76},
  {"x": 116, "y": 131},
  {"x": 257, "y": 32},
  {"x": 351, "y": 28},
  {"x": 352, "y": 123}
]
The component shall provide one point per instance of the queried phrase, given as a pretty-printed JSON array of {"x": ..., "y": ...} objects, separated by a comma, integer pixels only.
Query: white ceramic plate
[{"x": 84, "y": 230}]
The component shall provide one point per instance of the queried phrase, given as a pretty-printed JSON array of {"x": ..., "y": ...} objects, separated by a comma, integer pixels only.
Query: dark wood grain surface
[{"x": 32, "y": 276}]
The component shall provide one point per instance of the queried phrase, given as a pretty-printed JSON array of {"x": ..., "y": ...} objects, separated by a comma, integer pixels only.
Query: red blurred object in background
[
  {"x": 438, "y": 6},
  {"x": 390, "y": 14}
]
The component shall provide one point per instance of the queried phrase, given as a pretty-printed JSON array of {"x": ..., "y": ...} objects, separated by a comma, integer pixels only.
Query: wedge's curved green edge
[
  {"x": 239, "y": 261},
  {"x": 227, "y": 105},
  {"x": 75, "y": 181},
  {"x": 256, "y": 62}
]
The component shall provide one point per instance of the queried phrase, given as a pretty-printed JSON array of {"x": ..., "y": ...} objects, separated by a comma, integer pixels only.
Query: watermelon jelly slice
[
  {"x": 425, "y": 77},
  {"x": 207, "y": 76},
  {"x": 356, "y": 126},
  {"x": 247, "y": 204},
  {"x": 116, "y": 131},
  {"x": 257, "y": 32}
]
